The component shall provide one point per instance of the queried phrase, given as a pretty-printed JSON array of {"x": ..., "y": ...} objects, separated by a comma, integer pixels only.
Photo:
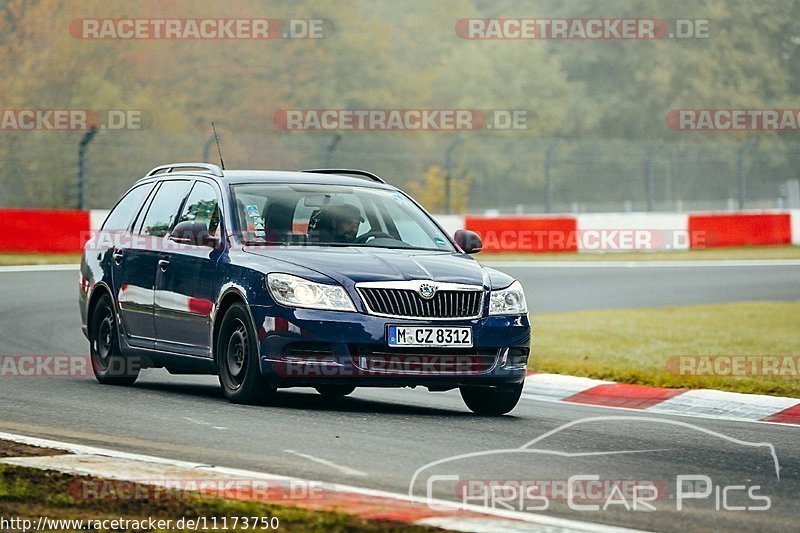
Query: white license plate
[{"x": 430, "y": 336}]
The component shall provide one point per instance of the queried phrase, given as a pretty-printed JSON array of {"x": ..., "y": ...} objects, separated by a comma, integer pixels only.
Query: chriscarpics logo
[{"x": 639, "y": 466}]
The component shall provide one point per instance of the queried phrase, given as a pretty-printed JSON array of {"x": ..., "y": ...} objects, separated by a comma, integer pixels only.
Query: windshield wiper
[
  {"x": 263, "y": 243},
  {"x": 410, "y": 248},
  {"x": 278, "y": 243},
  {"x": 342, "y": 245}
]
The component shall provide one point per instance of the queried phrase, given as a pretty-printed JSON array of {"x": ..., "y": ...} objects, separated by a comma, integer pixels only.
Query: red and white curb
[
  {"x": 365, "y": 503},
  {"x": 699, "y": 403}
]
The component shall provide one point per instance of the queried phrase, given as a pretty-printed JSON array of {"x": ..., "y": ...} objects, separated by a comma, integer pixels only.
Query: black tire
[
  {"x": 491, "y": 401},
  {"x": 237, "y": 359},
  {"x": 335, "y": 391},
  {"x": 110, "y": 367}
]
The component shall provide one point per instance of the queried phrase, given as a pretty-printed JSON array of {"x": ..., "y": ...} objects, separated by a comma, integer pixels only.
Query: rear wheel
[
  {"x": 335, "y": 391},
  {"x": 237, "y": 358},
  {"x": 492, "y": 401},
  {"x": 110, "y": 367}
]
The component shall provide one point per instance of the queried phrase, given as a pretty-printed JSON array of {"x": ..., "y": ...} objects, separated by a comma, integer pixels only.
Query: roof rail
[
  {"x": 350, "y": 171},
  {"x": 177, "y": 167}
]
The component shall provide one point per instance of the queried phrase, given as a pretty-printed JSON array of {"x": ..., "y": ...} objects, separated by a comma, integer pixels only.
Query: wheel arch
[
  {"x": 229, "y": 297},
  {"x": 100, "y": 289}
]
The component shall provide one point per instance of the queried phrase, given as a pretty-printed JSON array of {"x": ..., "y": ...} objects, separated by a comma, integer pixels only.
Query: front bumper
[{"x": 305, "y": 347}]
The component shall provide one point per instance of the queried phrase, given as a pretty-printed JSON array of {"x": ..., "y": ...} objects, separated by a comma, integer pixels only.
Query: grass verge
[
  {"x": 710, "y": 254},
  {"x": 29, "y": 493},
  {"x": 634, "y": 345},
  {"x": 9, "y": 259}
]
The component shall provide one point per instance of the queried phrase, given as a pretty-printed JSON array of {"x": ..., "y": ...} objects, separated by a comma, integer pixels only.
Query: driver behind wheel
[{"x": 339, "y": 224}]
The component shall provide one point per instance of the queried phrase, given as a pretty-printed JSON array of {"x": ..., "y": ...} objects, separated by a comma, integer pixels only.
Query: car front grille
[{"x": 408, "y": 303}]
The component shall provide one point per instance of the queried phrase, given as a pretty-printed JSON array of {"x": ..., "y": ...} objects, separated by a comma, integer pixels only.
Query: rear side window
[
  {"x": 164, "y": 208},
  {"x": 120, "y": 217}
]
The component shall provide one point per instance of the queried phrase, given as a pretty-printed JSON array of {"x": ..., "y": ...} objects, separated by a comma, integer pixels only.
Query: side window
[
  {"x": 202, "y": 206},
  {"x": 120, "y": 217},
  {"x": 164, "y": 208}
]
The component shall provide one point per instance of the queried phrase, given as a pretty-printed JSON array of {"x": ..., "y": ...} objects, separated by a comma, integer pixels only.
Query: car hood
[{"x": 356, "y": 264}]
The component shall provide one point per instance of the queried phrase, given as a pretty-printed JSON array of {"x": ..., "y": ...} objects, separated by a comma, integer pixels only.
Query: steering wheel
[{"x": 372, "y": 234}]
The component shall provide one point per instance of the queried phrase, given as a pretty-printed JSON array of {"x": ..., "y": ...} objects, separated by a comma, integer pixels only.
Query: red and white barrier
[
  {"x": 741, "y": 229},
  {"x": 616, "y": 232},
  {"x": 795, "y": 216},
  {"x": 97, "y": 217},
  {"x": 525, "y": 234},
  {"x": 43, "y": 230},
  {"x": 607, "y": 232},
  {"x": 62, "y": 231}
]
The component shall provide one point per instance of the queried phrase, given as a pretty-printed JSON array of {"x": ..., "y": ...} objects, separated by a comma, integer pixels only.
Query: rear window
[
  {"x": 163, "y": 209},
  {"x": 120, "y": 217}
]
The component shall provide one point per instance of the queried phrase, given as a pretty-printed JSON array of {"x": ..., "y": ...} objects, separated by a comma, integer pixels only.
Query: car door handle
[
  {"x": 117, "y": 256},
  {"x": 163, "y": 264}
]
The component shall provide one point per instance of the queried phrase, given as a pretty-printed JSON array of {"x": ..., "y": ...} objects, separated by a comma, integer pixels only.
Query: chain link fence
[{"x": 508, "y": 173}]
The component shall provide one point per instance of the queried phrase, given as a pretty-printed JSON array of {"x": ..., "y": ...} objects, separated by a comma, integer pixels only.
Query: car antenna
[{"x": 219, "y": 150}]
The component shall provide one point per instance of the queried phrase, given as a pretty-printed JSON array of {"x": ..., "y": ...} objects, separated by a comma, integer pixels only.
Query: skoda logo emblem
[{"x": 427, "y": 290}]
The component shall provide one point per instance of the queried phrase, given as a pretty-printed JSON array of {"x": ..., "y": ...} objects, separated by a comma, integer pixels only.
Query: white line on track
[
  {"x": 346, "y": 470},
  {"x": 38, "y": 268},
  {"x": 645, "y": 264},
  {"x": 203, "y": 423}
]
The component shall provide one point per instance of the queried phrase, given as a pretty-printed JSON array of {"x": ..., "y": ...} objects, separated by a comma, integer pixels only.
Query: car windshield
[{"x": 329, "y": 215}]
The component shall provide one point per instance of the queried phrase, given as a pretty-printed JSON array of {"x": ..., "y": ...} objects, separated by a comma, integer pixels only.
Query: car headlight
[
  {"x": 508, "y": 301},
  {"x": 299, "y": 292}
]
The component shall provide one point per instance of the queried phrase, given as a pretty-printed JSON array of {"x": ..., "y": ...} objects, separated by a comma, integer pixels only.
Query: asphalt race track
[
  {"x": 380, "y": 438},
  {"x": 579, "y": 287}
]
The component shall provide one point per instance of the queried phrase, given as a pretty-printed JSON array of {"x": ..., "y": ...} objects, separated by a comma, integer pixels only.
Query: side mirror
[
  {"x": 469, "y": 241},
  {"x": 193, "y": 232}
]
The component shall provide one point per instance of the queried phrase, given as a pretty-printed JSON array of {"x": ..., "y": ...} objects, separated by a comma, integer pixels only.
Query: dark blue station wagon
[{"x": 327, "y": 278}]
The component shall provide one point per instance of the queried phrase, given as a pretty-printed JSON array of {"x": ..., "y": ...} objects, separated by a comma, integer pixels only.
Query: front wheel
[
  {"x": 491, "y": 401},
  {"x": 110, "y": 367},
  {"x": 237, "y": 358}
]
